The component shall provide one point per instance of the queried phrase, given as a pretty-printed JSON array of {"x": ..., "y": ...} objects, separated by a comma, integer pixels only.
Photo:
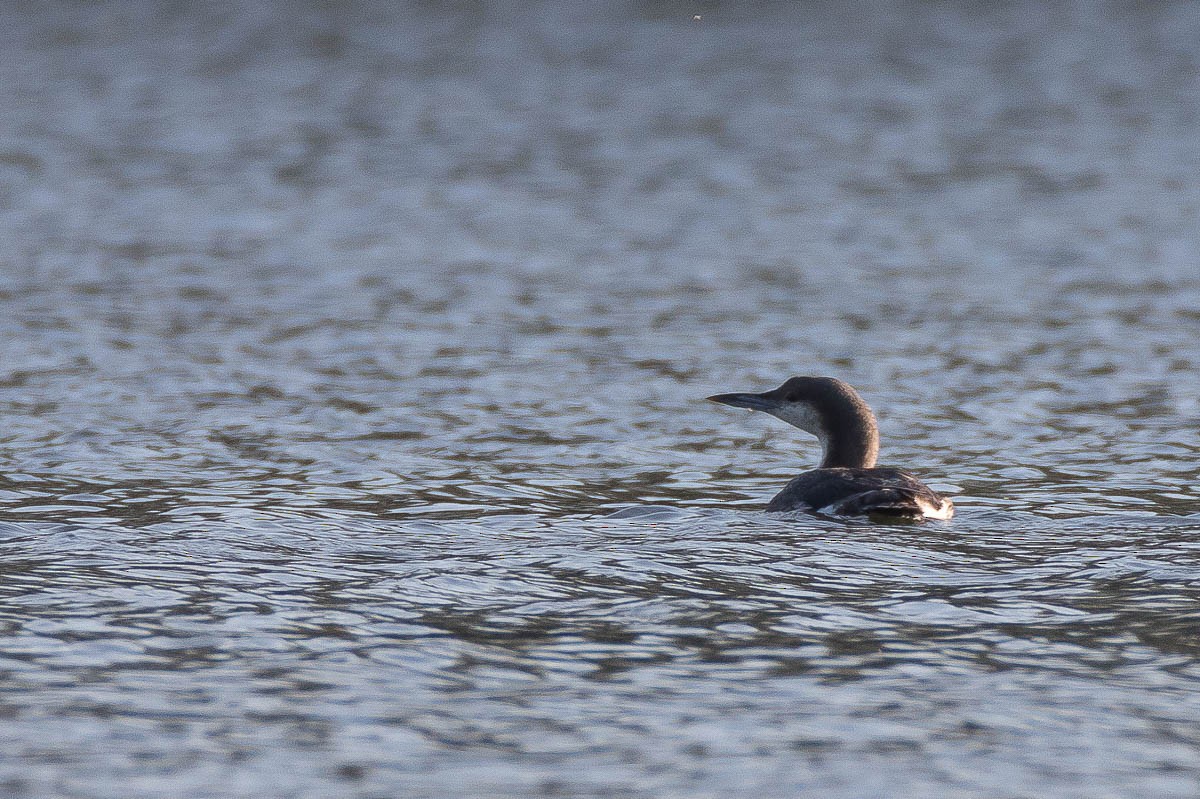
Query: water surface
[{"x": 352, "y": 369}]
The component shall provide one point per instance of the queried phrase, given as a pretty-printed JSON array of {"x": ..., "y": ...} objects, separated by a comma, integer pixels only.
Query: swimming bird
[{"x": 847, "y": 483}]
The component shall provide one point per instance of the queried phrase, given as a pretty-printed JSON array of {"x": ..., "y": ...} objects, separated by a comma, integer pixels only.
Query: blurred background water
[{"x": 353, "y": 358}]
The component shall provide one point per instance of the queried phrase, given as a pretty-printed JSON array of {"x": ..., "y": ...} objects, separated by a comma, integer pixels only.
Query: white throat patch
[{"x": 802, "y": 415}]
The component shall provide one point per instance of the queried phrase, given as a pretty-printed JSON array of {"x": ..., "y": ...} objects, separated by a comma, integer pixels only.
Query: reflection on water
[{"x": 352, "y": 382}]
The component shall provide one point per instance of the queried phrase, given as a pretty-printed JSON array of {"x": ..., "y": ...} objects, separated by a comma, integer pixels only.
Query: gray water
[{"x": 352, "y": 377}]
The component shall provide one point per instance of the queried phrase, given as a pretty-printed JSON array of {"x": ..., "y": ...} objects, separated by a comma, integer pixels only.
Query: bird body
[
  {"x": 857, "y": 492},
  {"x": 847, "y": 483}
]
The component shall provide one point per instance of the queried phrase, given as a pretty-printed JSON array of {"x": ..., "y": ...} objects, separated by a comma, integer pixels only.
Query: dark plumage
[{"x": 847, "y": 483}]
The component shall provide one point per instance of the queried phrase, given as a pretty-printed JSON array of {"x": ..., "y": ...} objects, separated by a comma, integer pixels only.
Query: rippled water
[{"x": 352, "y": 376}]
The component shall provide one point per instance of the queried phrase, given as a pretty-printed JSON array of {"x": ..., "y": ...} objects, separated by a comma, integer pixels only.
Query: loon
[{"x": 848, "y": 483}]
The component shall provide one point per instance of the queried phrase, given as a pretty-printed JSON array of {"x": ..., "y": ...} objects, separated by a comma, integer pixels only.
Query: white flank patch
[{"x": 943, "y": 511}]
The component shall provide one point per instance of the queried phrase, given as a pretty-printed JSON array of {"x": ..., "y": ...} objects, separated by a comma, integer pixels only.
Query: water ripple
[{"x": 353, "y": 371}]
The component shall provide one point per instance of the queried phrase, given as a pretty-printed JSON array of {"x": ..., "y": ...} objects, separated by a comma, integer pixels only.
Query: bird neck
[{"x": 851, "y": 441}]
